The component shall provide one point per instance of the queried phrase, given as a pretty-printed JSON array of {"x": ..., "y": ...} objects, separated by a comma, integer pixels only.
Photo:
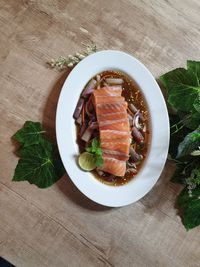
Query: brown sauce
[{"x": 132, "y": 94}]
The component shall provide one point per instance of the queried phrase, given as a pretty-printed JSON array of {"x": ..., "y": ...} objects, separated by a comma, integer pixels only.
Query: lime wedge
[{"x": 87, "y": 161}]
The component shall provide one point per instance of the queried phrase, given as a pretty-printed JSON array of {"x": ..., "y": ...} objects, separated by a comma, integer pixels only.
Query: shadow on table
[
  {"x": 158, "y": 197},
  {"x": 67, "y": 187},
  {"x": 65, "y": 184},
  {"x": 49, "y": 113}
]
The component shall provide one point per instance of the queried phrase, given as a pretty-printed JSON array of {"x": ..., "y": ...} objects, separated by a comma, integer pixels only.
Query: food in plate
[{"x": 112, "y": 127}]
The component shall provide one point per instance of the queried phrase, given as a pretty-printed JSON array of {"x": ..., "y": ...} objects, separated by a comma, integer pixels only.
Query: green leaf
[
  {"x": 183, "y": 88},
  {"x": 197, "y": 176},
  {"x": 195, "y": 137},
  {"x": 194, "y": 66},
  {"x": 97, "y": 151},
  {"x": 197, "y": 104},
  {"x": 95, "y": 143},
  {"x": 38, "y": 165},
  {"x": 179, "y": 175},
  {"x": 59, "y": 167},
  {"x": 188, "y": 145},
  {"x": 177, "y": 136},
  {"x": 89, "y": 149},
  {"x": 29, "y": 134},
  {"x": 193, "y": 120},
  {"x": 190, "y": 206},
  {"x": 99, "y": 161}
]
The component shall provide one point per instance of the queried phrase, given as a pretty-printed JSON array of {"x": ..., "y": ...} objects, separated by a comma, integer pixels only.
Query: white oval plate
[{"x": 112, "y": 196}]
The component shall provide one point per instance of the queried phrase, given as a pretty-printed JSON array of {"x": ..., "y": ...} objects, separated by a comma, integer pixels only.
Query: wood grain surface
[{"x": 59, "y": 226}]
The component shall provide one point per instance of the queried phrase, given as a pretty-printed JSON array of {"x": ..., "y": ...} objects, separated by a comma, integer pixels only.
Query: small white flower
[
  {"x": 61, "y": 62},
  {"x": 81, "y": 56},
  {"x": 195, "y": 152},
  {"x": 191, "y": 186},
  {"x": 70, "y": 65},
  {"x": 190, "y": 192},
  {"x": 75, "y": 60}
]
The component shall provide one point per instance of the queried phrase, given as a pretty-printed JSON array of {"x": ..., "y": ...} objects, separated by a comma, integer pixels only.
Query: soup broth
[{"x": 138, "y": 115}]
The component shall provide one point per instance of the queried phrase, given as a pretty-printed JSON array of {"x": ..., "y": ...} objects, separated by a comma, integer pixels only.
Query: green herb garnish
[
  {"x": 183, "y": 87},
  {"x": 96, "y": 150},
  {"x": 39, "y": 164}
]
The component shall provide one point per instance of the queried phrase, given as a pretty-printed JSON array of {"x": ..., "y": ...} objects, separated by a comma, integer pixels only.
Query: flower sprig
[{"x": 62, "y": 62}]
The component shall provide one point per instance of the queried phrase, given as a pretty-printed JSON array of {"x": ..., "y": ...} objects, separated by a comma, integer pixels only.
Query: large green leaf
[
  {"x": 190, "y": 206},
  {"x": 195, "y": 67},
  {"x": 29, "y": 134},
  {"x": 179, "y": 175},
  {"x": 188, "y": 144},
  {"x": 183, "y": 88},
  {"x": 178, "y": 132},
  {"x": 193, "y": 120},
  {"x": 38, "y": 165},
  {"x": 197, "y": 104}
]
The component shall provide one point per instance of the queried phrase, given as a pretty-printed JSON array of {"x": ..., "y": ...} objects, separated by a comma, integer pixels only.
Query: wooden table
[{"x": 59, "y": 226}]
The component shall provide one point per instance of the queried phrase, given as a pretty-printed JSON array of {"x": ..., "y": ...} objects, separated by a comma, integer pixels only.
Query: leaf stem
[{"x": 176, "y": 125}]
